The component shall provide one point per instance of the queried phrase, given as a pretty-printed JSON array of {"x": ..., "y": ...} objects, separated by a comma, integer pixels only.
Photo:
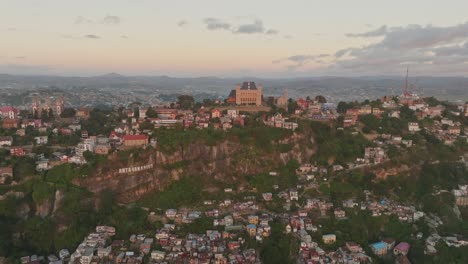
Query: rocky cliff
[{"x": 226, "y": 161}]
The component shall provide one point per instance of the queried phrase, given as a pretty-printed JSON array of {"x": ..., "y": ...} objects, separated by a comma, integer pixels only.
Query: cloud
[
  {"x": 111, "y": 20},
  {"x": 182, "y": 23},
  {"x": 272, "y": 32},
  {"x": 430, "y": 49},
  {"x": 252, "y": 28},
  {"x": 108, "y": 20},
  {"x": 83, "y": 20},
  {"x": 216, "y": 24},
  {"x": 91, "y": 36},
  {"x": 373, "y": 33},
  {"x": 297, "y": 61}
]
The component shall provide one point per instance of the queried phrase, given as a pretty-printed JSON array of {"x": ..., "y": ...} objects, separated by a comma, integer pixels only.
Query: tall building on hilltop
[
  {"x": 247, "y": 93},
  {"x": 49, "y": 103}
]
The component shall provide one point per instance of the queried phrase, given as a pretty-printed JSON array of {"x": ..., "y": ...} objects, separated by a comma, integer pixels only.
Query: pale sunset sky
[{"x": 234, "y": 38}]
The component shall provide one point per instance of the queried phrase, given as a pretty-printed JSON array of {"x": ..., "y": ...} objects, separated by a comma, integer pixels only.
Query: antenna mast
[{"x": 406, "y": 82}]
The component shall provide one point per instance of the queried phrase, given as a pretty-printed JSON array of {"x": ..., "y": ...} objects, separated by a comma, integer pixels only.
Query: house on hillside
[{"x": 135, "y": 140}]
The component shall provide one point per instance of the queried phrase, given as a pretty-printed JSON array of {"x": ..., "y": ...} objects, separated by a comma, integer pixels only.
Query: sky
[{"x": 262, "y": 38}]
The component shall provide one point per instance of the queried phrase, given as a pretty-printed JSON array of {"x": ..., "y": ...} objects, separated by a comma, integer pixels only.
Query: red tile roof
[{"x": 135, "y": 137}]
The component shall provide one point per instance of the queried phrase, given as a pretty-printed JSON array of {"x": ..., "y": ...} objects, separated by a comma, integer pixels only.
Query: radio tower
[{"x": 406, "y": 82}]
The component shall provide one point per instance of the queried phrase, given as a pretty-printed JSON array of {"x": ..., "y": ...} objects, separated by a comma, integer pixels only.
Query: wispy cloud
[
  {"x": 182, "y": 23},
  {"x": 256, "y": 26},
  {"x": 79, "y": 20},
  {"x": 111, "y": 20},
  {"x": 297, "y": 61},
  {"x": 216, "y": 24},
  {"x": 252, "y": 28},
  {"x": 91, "y": 36},
  {"x": 272, "y": 32},
  {"x": 381, "y": 31}
]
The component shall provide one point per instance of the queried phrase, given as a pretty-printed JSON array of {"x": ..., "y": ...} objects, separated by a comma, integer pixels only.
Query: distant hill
[{"x": 334, "y": 88}]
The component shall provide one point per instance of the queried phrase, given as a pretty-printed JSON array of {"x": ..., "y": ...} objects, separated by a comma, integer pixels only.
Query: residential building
[
  {"x": 17, "y": 152},
  {"x": 6, "y": 141},
  {"x": 251, "y": 230},
  {"x": 232, "y": 113},
  {"x": 215, "y": 113},
  {"x": 283, "y": 99},
  {"x": 87, "y": 256},
  {"x": 9, "y": 123},
  {"x": 413, "y": 127},
  {"x": 339, "y": 213},
  {"x": 135, "y": 140},
  {"x": 166, "y": 113},
  {"x": 329, "y": 238},
  {"x": 350, "y": 120},
  {"x": 5, "y": 173},
  {"x": 365, "y": 110},
  {"x": 376, "y": 155},
  {"x": 158, "y": 255},
  {"x": 83, "y": 113},
  {"x": 401, "y": 249},
  {"x": 353, "y": 247},
  {"x": 379, "y": 248},
  {"x": 9, "y": 112},
  {"x": 41, "y": 140},
  {"x": 102, "y": 149},
  {"x": 142, "y": 112}
]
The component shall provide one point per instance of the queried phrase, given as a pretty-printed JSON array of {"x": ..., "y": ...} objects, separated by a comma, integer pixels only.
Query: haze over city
[{"x": 234, "y": 38}]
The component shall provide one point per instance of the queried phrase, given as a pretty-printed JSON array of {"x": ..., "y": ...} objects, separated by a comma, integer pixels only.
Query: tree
[
  {"x": 292, "y": 106},
  {"x": 68, "y": 112},
  {"x": 106, "y": 198},
  {"x": 208, "y": 102},
  {"x": 407, "y": 114},
  {"x": 321, "y": 99},
  {"x": 39, "y": 234},
  {"x": 151, "y": 113},
  {"x": 370, "y": 121},
  {"x": 146, "y": 125},
  {"x": 186, "y": 101},
  {"x": 342, "y": 107}
]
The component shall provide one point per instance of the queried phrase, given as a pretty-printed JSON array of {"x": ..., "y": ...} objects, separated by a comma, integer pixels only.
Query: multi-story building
[
  {"x": 8, "y": 123},
  {"x": 9, "y": 112},
  {"x": 135, "y": 140},
  {"x": 247, "y": 93},
  {"x": 379, "y": 248},
  {"x": 47, "y": 104},
  {"x": 413, "y": 127},
  {"x": 329, "y": 238}
]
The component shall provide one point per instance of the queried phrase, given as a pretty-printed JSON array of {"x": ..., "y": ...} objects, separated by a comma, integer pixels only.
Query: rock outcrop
[{"x": 225, "y": 161}]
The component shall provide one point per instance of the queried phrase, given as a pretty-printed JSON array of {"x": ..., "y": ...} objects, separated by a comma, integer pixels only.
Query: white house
[
  {"x": 413, "y": 127},
  {"x": 41, "y": 140},
  {"x": 6, "y": 141}
]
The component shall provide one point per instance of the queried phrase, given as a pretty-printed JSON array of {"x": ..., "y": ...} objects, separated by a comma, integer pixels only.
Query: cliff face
[{"x": 225, "y": 162}]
